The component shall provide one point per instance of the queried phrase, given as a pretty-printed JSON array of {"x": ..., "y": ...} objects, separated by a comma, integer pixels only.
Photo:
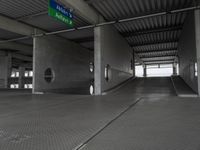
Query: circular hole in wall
[
  {"x": 107, "y": 72},
  {"x": 91, "y": 89},
  {"x": 49, "y": 75}
]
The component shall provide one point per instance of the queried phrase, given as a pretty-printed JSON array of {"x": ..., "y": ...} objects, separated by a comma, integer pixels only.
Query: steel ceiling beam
[
  {"x": 152, "y": 57},
  {"x": 22, "y": 57},
  {"x": 160, "y": 50},
  {"x": 155, "y": 54},
  {"x": 119, "y": 21},
  {"x": 159, "y": 60},
  {"x": 133, "y": 33},
  {"x": 154, "y": 43},
  {"x": 14, "y": 26},
  {"x": 151, "y": 31},
  {"x": 17, "y": 46}
]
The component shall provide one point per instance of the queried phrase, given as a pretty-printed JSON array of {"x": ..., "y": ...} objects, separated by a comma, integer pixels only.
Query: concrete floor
[{"x": 145, "y": 114}]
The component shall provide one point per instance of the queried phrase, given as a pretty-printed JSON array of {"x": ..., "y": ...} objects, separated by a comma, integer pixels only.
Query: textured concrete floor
[{"x": 143, "y": 115}]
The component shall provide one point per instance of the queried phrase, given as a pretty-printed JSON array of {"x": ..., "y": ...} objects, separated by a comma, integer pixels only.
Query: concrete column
[
  {"x": 9, "y": 68},
  {"x": 64, "y": 71},
  {"x": 21, "y": 76},
  {"x": 5, "y": 69},
  {"x": 174, "y": 69},
  {"x": 115, "y": 54},
  {"x": 197, "y": 31},
  {"x": 97, "y": 61},
  {"x": 145, "y": 71}
]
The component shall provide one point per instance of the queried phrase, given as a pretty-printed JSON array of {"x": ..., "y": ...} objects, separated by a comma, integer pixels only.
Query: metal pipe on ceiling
[{"x": 109, "y": 23}]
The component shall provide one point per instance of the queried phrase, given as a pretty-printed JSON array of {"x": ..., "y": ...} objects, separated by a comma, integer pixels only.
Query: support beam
[
  {"x": 154, "y": 43},
  {"x": 15, "y": 26},
  {"x": 152, "y": 51},
  {"x": 158, "y": 60},
  {"x": 158, "y": 56},
  {"x": 84, "y": 10},
  {"x": 22, "y": 57},
  {"x": 134, "y": 33},
  {"x": 157, "y": 52},
  {"x": 150, "y": 31},
  {"x": 17, "y": 46}
]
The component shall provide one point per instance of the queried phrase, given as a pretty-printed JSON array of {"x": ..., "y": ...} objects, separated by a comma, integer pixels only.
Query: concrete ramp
[{"x": 181, "y": 88}]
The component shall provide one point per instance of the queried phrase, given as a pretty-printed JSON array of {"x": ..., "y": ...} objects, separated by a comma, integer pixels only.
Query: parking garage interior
[{"x": 120, "y": 75}]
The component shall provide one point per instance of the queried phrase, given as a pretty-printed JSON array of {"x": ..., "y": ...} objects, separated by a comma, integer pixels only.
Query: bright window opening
[
  {"x": 15, "y": 74},
  {"x": 28, "y": 74},
  {"x": 28, "y": 86},
  {"x": 164, "y": 70},
  {"x": 14, "y": 86},
  {"x": 139, "y": 71}
]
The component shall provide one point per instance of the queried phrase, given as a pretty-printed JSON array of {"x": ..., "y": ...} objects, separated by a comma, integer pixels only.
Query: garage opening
[{"x": 157, "y": 70}]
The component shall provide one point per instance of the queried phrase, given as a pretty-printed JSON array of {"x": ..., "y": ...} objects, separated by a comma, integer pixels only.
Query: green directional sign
[{"x": 60, "y": 13}]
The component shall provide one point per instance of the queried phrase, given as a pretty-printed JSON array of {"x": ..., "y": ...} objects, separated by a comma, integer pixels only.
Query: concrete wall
[
  {"x": 113, "y": 50},
  {"x": 187, "y": 53},
  {"x": 197, "y": 31},
  {"x": 69, "y": 62}
]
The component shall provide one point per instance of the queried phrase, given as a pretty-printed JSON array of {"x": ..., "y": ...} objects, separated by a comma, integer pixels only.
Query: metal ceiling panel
[
  {"x": 152, "y": 40},
  {"x": 115, "y": 9},
  {"x": 35, "y": 13},
  {"x": 21, "y": 8},
  {"x": 159, "y": 58},
  {"x": 164, "y": 46},
  {"x": 153, "y": 54}
]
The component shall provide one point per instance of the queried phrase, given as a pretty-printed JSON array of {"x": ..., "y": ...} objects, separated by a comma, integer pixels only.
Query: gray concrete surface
[
  {"x": 153, "y": 124},
  {"x": 69, "y": 63},
  {"x": 181, "y": 88},
  {"x": 113, "y": 50},
  {"x": 8, "y": 92},
  {"x": 197, "y": 31},
  {"x": 187, "y": 53},
  {"x": 5, "y": 69},
  {"x": 159, "y": 120}
]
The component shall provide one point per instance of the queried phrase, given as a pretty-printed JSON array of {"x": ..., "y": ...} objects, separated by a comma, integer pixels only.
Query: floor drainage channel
[{"x": 82, "y": 145}]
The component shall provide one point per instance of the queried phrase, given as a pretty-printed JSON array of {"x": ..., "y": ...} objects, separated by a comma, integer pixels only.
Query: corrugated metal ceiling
[
  {"x": 35, "y": 13},
  {"x": 160, "y": 42},
  {"x": 155, "y": 36},
  {"x": 118, "y": 9}
]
